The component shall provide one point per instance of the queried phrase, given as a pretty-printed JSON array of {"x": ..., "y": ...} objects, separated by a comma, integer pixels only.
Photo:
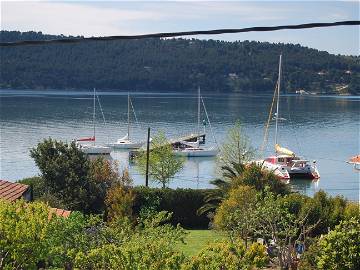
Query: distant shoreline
[{"x": 185, "y": 92}]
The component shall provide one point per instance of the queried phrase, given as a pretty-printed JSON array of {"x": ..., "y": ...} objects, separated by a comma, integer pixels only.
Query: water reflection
[{"x": 305, "y": 186}]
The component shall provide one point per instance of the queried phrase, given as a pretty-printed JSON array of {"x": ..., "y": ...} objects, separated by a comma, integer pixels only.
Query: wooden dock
[{"x": 176, "y": 142}]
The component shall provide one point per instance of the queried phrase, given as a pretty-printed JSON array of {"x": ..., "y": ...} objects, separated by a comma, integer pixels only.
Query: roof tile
[{"x": 12, "y": 191}]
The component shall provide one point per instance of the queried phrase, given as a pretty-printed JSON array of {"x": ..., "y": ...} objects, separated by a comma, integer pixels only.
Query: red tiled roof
[
  {"x": 12, "y": 191},
  {"x": 59, "y": 212}
]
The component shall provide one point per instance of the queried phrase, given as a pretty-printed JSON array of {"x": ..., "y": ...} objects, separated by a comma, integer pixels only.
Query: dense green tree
[
  {"x": 150, "y": 245},
  {"x": 33, "y": 237},
  {"x": 70, "y": 178},
  {"x": 173, "y": 65}
]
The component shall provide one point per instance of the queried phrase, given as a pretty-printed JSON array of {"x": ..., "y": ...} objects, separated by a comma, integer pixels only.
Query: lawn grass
[{"x": 196, "y": 240}]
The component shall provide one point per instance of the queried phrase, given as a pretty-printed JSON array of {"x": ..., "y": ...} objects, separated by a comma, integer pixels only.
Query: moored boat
[
  {"x": 193, "y": 149},
  {"x": 285, "y": 164},
  {"x": 355, "y": 160},
  {"x": 125, "y": 142},
  {"x": 88, "y": 145}
]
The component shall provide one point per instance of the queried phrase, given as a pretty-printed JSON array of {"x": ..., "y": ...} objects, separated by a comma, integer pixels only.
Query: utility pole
[{"x": 147, "y": 159}]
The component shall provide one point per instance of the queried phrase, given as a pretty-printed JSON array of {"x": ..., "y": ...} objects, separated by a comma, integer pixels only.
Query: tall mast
[
  {"x": 128, "y": 116},
  {"x": 198, "y": 115},
  {"x": 94, "y": 114},
  {"x": 277, "y": 102}
]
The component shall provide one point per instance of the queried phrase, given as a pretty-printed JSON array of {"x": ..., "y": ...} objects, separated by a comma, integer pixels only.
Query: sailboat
[
  {"x": 125, "y": 142},
  {"x": 285, "y": 163},
  {"x": 90, "y": 147},
  {"x": 193, "y": 149}
]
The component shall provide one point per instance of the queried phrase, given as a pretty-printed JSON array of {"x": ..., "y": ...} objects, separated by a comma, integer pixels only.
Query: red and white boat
[
  {"x": 356, "y": 161},
  {"x": 88, "y": 145},
  {"x": 285, "y": 164}
]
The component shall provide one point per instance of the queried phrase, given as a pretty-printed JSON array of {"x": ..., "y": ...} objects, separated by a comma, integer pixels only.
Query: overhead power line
[{"x": 179, "y": 34}]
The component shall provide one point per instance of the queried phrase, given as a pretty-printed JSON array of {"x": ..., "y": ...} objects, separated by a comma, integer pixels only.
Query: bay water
[{"x": 321, "y": 128}]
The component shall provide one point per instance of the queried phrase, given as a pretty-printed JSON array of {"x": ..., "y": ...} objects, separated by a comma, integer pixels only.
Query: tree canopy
[{"x": 174, "y": 65}]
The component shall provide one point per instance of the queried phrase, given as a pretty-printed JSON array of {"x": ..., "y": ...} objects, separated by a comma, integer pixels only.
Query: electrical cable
[{"x": 179, "y": 34}]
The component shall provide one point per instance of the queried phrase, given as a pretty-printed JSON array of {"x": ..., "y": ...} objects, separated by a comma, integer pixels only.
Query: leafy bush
[
  {"x": 149, "y": 245},
  {"x": 352, "y": 210},
  {"x": 255, "y": 176},
  {"x": 183, "y": 203},
  {"x": 339, "y": 249},
  {"x": 234, "y": 215},
  {"x": 138, "y": 253},
  {"x": 23, "y": 234},
  {"x": 119, "y": 202},
  {"x": 227, "y": 255},
  {"x": 37, "y": 185},
  {"x": 31, "y": 237}
]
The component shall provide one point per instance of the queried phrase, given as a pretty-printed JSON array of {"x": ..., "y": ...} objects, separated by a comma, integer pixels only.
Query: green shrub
[
  {"x": 352, "y": 210},
  {"x": 339, "y": 249},
  {"x": 133, "y": 255},
  {"x": 183, "y": 203},
  {"x": 23, "y": 232},
  {"x": 229, "y": 256},
  {"x": 37, "y": 185},
  {"x": 149, "y": 245},
  {"x": 234, "y": 215}
]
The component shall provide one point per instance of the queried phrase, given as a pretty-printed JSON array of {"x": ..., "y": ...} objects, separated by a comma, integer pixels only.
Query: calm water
[{"x": 321, "y": 128}]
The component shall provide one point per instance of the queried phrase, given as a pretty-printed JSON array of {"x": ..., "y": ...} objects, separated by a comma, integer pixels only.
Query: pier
[
  {"x": 176, "y": 142},
  {"x": 188, "y": 138}
]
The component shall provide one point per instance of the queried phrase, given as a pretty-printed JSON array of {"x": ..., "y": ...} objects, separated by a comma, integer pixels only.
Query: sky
[{"x": 102, "y": 18}]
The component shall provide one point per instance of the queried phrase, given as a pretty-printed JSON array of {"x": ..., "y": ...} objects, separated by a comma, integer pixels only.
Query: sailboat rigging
[
  {"x": 92, "y": 149},
  {"x": 285, "y": 164},
  {"x": 126, "y": 142},
  {"x": 193, "y": 149}
]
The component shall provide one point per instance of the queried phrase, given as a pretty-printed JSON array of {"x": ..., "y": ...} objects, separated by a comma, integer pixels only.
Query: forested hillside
[{"x": 174, "y": 65}]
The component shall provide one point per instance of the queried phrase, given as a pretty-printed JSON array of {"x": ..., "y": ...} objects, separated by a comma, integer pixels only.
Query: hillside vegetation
[{"x": 174, "y": 65}]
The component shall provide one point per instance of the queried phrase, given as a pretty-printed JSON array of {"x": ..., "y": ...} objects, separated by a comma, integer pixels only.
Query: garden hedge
[{"x": 183, "y": 203}]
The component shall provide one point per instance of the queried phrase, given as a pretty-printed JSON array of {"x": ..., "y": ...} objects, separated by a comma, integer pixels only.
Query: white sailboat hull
[
  {"x": 95, "y": 149},
  {"x": 125, "y": 145},
  {"x": 196, "y": 152}
]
